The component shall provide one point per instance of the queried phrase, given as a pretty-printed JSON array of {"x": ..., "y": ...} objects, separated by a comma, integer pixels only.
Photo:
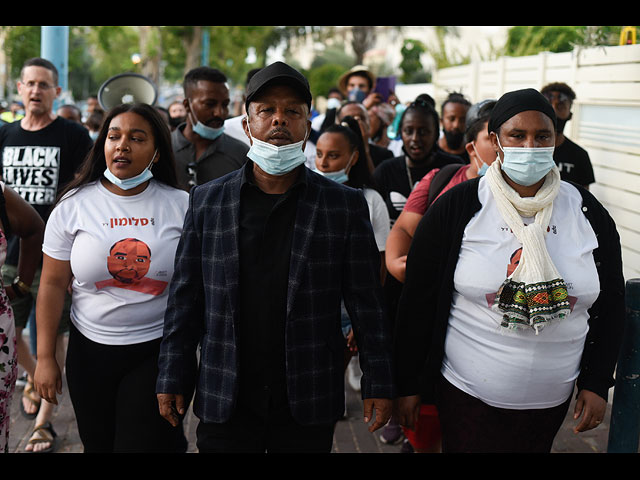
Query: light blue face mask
[
  {"x": 273, "y": 159},
  {"x": 340, "y": 176},
  {"x": 133, "y": 182},
  {"x": 527, "y": 166},
  {"x": 483, "y": 169},
  {"x": 201, "y": 129}
]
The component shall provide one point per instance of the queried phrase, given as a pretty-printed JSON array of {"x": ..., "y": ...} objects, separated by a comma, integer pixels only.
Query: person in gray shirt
[{"x": 203, "y": 151}]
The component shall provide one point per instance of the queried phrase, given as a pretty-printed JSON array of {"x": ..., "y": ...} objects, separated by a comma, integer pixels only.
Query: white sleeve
[
  {"x": 379, "y": 216},
  {"x": 59, "y": 232}
]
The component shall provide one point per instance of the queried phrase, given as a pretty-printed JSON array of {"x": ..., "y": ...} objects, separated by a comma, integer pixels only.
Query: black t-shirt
[
  {"x": 39, "y": 164},
  {"x": 379, "y": 154},
  {"x": 574, "y": 163},
  {"x": 396, "y": 181}
]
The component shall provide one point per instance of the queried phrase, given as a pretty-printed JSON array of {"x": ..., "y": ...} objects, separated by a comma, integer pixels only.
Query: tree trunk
[
  {"x": 192, "y": 45},
  {"x": 362, "y": 40},
  {"x": 151, "y": 49}
]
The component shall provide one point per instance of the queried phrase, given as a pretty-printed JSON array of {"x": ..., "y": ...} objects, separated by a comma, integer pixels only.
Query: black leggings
[
  {"x": 112, "y": 389},
  {"x": 471, "y": 426}
]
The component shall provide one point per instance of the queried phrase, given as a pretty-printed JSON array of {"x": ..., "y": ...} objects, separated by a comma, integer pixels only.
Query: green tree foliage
[
  {"x": 324, "y": 77},
  {"x": 530, "y": 40},
  {"x": 411, "y": 66}
]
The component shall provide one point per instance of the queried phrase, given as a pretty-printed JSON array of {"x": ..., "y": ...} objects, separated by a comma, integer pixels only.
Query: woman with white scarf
[{"x": 514, "y": 296}]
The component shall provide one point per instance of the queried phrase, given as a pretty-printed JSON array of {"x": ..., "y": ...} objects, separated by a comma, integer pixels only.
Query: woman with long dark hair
[
  {"x": 113, "y": 235},
  {"x": 341, "y": 156}
]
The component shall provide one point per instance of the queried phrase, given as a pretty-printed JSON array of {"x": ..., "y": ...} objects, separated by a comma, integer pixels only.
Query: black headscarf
[{"x": 512, "y": 103}]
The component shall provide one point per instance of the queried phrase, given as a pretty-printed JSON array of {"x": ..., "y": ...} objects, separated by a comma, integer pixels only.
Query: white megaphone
[{"x": 127, "y": 88}]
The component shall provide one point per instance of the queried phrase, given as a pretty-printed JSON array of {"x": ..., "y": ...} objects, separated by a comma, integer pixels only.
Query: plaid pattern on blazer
[{"x": 333, "y": 256}]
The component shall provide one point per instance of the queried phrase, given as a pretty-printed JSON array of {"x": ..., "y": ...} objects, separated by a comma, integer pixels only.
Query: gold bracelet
[{"x": 21, "y": 286}]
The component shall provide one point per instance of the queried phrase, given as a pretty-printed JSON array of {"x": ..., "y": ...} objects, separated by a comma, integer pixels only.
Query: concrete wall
[{"x": 606, "y": 118}]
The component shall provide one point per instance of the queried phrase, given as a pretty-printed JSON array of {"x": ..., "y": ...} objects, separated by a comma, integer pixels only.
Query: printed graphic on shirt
[
  {"x": 514, "y": 261},
  {"x": 397, "y": 200},
  {"x": 33, "y": 172},
  {"x": 128, "y": 263}
]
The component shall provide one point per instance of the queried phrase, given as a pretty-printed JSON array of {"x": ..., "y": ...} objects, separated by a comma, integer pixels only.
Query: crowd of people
[{"x": 449, "y": 264}]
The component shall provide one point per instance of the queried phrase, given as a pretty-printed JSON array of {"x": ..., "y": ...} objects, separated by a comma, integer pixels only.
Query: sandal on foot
[
  {"x": 30, "y": 394},
  {"x": 43, "y": 434}
]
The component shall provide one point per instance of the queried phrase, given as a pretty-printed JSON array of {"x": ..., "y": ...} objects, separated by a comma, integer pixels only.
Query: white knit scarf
[{"x": 534, "y": 294}]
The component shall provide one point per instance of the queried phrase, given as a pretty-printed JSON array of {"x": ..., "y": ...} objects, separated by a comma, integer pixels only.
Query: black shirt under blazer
[
  {"x": 423, "y": 313},
  {"x": 333, "y": 256}
]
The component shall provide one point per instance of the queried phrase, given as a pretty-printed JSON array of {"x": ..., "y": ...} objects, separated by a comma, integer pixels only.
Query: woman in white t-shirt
[
  {"x": 338, "y": 150},
  {"x": 113, "y": 236},
  {"x": 514, "y": 296}
]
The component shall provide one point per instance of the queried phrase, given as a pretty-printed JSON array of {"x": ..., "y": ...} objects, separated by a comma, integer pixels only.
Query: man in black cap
[{"x": 267, "y": 254}]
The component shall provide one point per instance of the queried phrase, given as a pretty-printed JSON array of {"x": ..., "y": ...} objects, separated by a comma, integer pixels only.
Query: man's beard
[{"x": 454, "y": 139}]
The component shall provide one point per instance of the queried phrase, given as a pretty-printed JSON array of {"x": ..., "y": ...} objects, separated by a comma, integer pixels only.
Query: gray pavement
[{"x": 351, "y": 435}]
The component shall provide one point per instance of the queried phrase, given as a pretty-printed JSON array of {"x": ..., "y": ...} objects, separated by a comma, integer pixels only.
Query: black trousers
[
  {"x": 277, "y": 432},
  {"x": 112, "y": 389},
  {"x": 471, "y": 426}
]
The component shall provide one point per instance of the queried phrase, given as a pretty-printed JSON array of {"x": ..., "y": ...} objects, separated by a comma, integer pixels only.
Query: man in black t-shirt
[
  {"x": 40, "y": 155},
  {"x": 573, "y": 161}
]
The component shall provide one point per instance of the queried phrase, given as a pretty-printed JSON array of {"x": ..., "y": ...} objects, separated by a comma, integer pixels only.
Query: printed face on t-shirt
[{"x": 129, "y": 260}]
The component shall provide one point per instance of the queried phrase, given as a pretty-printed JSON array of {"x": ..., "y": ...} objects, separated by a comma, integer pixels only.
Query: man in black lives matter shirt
[{"x": 39, "y": 154}]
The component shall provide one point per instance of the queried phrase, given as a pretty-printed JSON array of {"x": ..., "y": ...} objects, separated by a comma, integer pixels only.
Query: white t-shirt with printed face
[
  {"x": 519, "y": 370},
  {"x": 121, "y": 250}
]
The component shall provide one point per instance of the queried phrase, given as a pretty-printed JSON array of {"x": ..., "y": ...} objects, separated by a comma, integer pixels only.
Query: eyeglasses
[{"x": 41, "y": 85}]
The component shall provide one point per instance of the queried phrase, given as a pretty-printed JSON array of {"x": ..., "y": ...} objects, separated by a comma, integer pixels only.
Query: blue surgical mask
[
  {"x": 483, "y": 169},
  {"x": 276, "y": 160},
  {"x": 356, "y": 95},
  {"x": 340, "y": 176},
  {"x": 133, "y": 182},
  {"x": 201, "y": 129},
  {"x": 527, "y": 166}
]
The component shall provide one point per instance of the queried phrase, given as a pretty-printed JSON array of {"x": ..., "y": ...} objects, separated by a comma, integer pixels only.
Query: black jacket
[{"x": 423, "y": 312}]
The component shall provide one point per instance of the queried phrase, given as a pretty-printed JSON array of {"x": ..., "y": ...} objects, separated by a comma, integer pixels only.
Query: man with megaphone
[{"x": 203, "y": 151}]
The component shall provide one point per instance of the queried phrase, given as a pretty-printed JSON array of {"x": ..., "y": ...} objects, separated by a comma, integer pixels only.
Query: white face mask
[
  {"x": 527, "y": 166},
  {"x": 276, "y": 160},
  {"x": 333, "y": 103}
]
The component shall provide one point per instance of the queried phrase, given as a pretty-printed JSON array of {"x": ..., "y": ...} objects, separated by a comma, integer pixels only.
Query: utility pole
[{"x": 54, "y": 46}]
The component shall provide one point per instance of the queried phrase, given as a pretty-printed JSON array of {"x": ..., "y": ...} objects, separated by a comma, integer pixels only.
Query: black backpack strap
[
  {"x": 441, "y": 179},
  {"x": 6, "y": 226}
]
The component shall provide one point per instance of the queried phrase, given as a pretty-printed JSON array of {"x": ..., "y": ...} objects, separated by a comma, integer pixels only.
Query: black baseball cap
[{"x": 278, "y": 73}]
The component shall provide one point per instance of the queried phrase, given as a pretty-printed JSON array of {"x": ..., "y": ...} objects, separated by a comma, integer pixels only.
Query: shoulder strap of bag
[{"x": 441, "y": 179}]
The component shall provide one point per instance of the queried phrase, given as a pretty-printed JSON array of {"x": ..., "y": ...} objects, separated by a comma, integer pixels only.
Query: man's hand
[
  {"x": 591, "y": 407},
  {"x": 171, "y": 407},
  {"x": 382, "y": 407},
  {"x": 407, "y": 410}
]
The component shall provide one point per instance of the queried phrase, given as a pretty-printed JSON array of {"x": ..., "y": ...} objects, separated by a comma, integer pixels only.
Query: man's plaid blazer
[{"x": 333, "y": 257}]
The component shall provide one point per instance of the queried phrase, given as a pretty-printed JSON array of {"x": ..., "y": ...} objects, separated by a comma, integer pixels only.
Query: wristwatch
[{"x": 20, "y": 288}]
